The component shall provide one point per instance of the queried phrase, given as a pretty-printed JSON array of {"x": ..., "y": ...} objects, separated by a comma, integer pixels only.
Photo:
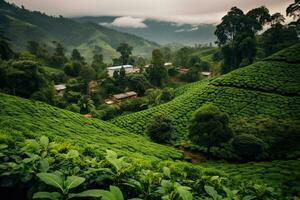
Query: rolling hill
[
  {"x": 21, "y": 26},
  {"x": 269, "y": 88},
  {"x": 161, "y": 31},
  {"x": 22, "y": 118}
]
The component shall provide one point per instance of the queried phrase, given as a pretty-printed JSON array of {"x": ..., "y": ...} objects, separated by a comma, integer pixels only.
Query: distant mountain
[
  {"x": 22, "y": 25},
  {"x": 162, "y": 32}
]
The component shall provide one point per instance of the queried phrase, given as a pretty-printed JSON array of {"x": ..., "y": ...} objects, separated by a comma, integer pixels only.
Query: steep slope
[
  {"x": 23, "y": 118},
  {"x": 21, "y": 25},
  {"x": 269, "y": 88}
]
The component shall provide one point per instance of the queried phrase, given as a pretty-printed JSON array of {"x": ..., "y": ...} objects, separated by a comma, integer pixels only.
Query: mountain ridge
[{"x": 22, "y": 25}]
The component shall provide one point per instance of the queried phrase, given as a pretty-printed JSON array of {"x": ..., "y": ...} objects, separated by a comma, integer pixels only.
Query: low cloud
[
  {"x": 127, "y": 22},
  {"x": 194, "y": 28},
  {"x": 177, "y": 11}
]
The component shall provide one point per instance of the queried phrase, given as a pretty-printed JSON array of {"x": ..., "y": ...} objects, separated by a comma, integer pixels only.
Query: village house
[
  {"x": 183, "y": 70},
  {"x": 117, "y": 98},
  {"x": 60, "y": 89},
  {"x": 206, "y": 74},
  {"x": 129, "y": 69},
  {"x": 168, "y": 64}
]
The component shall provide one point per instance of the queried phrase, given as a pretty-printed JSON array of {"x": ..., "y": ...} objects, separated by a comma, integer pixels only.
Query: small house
[
  {"x": 183, "y": 70},
  {"x": 123, "y": 96},
  {"x": 60, "y": 89},
  {"x": 117, "y": 98},
  {"x": 206, "y": 74},
  {"x": 129, "y": 69},
  {"x": 168, "y": 64}
]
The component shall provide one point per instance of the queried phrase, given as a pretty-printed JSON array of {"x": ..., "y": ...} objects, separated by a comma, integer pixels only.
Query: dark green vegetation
[
  {"x": 209, "y": 127},
  {"x": 250, "y": 114},
  {"x": 22, "y": 26},
  {"x": 239, "y": 39},
  {"x": 254, "y": 104},
  {"x": 42, "y": 169},
  {"x": 22, "y": 118}
]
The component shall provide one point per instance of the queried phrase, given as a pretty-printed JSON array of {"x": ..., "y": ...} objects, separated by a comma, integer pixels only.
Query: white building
[
  {"x": 60, "y": 89},
  {"x": 129, "y": 69}
]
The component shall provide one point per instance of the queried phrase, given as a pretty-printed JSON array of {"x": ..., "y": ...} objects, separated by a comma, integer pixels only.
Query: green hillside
[
  {"x": 21, "y": 118},
  {"x": 22, "y": 25},
  {"x": 24, "y": 119},
  {"x": 269, "y": 88}
]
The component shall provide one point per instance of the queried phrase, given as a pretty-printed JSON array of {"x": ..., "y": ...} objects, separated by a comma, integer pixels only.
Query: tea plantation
[
  {"x": 25, "y": 119},
  {"x": 269, "y": 88}
]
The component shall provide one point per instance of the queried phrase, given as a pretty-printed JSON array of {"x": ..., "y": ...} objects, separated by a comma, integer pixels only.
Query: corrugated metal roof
[
  {"x": 119, "y": 67},
  {"x": 125, "y": 95},
  {"x": 60, "y": 87}
]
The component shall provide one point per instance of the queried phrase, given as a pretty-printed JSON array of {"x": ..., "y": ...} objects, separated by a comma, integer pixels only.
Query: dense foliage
[
  {"x": 160, "y": 129},
  {"x": 242, "y": 98},
  {"x": 209, "y": 127},
  {"x": 45, "y": 169}
]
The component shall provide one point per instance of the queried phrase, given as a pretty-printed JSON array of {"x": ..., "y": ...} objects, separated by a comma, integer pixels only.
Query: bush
[
  {"x": 167, "y": 94},
  {"x": 134, "y": 105},
  {"x": 247, "y": 146},
  {"x": 74, "y": 108},
  {"x": 160, "y": 129},
  {"x": 209, "y": 127}
]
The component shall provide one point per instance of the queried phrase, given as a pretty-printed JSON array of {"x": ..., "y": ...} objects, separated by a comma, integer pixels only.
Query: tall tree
[
  {"x": 157, "y": 71},
  {"x": 76, "y": 56},
  {"x": 58, "y": 58},
  {"x": 293, "y": 10},
  {"x": 236, "y": 36},
  {"x": 125, "y": 50},
  {"x": 277, "y": 18},
  {"x": 209, "y": 127}
]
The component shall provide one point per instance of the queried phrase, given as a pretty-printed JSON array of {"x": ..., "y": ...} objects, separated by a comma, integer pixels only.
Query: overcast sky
[{"x": 135, "y": 11}]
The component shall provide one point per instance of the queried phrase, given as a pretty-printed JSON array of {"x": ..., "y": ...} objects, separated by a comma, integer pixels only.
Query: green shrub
[
  {"x": 160, "y": 129},
  {"x": 209, "y": 127},
  {"x": 247, "y": 146}
]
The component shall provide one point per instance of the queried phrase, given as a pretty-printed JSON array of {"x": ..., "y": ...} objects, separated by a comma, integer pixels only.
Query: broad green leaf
[
  {"x": 73, "y": 181},
  {"x": 87, "y": 193},
  {"x": 47, "y": 195},
  {"x": 249, "y": 197},
  {"x": 183, "y": 192},
  {"x": 167, "y": 172},
  {"x": 3, "y": 146},
  {"x": 44, "y": 141},
  {"x": 112, "y": 158},
  {"x": 44, "y": 165},
  {"x": 107, "y": 195},
  {"x": 52, "y": 179},
  {"x": 212, "y": 192},
  {"x": 116, "y": 192},
  {"x": 72, "y": 153}
]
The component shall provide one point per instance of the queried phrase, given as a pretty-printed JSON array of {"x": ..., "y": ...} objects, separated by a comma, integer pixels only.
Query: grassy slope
[
  {"x": 21, "y": 118},
  {"x": 22, "y": 26},
  {"x": 239, "y": 100},
  {"x": 24, "y": 118}
]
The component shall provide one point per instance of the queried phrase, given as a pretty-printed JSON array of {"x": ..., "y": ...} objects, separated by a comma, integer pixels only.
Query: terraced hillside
[
  {"x": 21, "y": 118},
  {"x": 269, "y": 88}
]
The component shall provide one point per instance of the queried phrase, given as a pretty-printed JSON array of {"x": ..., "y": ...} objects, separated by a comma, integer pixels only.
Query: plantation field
[
  {"x": 21, "y": 118},
  {"x": 267, "y": 88},
  {"x": 278, "y": 174}
]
